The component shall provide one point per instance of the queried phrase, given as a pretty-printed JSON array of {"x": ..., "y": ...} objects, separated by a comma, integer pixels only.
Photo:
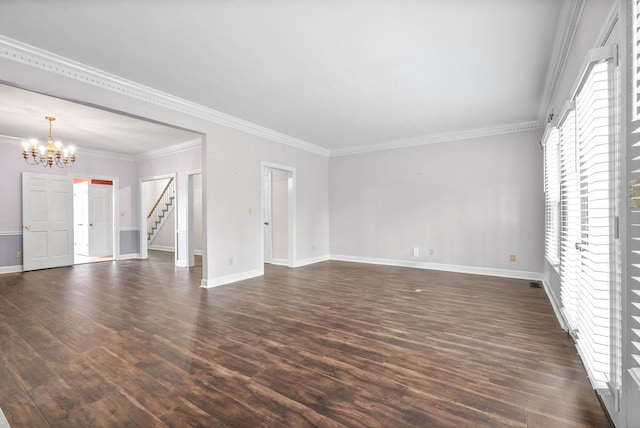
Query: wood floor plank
[
  {"x": 56, "y": 400},
  {"x": 139, "y": 343}
]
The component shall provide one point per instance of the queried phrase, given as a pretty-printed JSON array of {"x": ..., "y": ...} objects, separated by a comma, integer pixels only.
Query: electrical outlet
[
  {"x": 230, "y": 261},
  {"x": 121, "y": 213},
  {"x": 512, "y": 258},
  {"x": 431, "y": 251},
  {"x": 19, "y": 254}
]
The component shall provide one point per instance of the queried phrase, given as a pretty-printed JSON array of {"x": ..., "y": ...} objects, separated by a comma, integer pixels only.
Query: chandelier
[{"x": 53, "y": 154}]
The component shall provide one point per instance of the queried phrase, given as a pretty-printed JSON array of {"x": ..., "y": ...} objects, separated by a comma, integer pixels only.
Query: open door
[
  {"x": 93, "y": 211},
  {"x": 278, "y": 214},
  {"x": 100, "y": 204},
  {"x": 47, "y": 221},
  {"x": 266, "y": 216}
]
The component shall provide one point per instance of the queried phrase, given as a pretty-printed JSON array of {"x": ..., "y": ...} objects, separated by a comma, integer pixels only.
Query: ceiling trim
[
  {"x": 89, "y": 152},
  {"x": 565, "y": 33},
  {"x": 17, "y": 51},
  {"x": 440, "y": 138},
  {"x": 176, "y": 148},
  {"x": 104, "y": 154},
  {"x": 10, "y": 140}
]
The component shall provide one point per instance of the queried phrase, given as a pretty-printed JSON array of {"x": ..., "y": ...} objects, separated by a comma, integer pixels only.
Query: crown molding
[
  {"x": 565, "y": 33},
  {"x": 171, "y": 150},
  {"x": 23, "y": 53},
  {"x": 11, "y": 140},
  {"x": 440, "y": 138},
  {"x": 89, "y": 152},
  {"x": 104, "y": 154}
]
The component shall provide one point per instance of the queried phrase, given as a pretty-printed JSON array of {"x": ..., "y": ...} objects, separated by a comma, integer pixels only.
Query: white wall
[
  {"x": 233, "y": 186},
  {"x": 473, "y": 202}
]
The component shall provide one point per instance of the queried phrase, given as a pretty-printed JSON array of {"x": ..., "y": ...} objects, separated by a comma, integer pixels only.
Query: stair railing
[{"x": 160, "y": 208}]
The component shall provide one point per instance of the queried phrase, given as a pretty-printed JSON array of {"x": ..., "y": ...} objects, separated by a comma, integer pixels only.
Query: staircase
[{"x": 161, "y": 210}]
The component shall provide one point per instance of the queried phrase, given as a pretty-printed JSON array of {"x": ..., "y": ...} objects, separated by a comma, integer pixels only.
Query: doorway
[
  {"x": 278, "y": 214},
  {"x": 94, "y": 229},
  {"x": 195, "y": 230},
  {"x": 158, "y": 215}
]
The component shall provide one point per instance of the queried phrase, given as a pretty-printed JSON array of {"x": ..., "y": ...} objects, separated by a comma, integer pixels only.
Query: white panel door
[
  {"x": 266, "y": 215},
  {"x": 100, "y": 200},
  {"x": 47, "y": 220}
]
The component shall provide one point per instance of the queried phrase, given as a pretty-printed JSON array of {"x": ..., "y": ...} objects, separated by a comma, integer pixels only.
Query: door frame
[
  {"x": 291, "y": 199},
  {"x": 115, "y": 207},
  {"x": 144, "y": 249}
]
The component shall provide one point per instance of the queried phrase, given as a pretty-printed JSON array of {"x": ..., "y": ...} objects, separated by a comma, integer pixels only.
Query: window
[
  {"x": 594, "y": 136},
  {"x": 570, "y": 222},
  {"x": 583, "y": 188},
  {"x": 551, "y": 194}
]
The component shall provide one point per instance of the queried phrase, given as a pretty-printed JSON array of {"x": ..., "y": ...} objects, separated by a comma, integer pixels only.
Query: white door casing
[{"x": 47, "y": 221}]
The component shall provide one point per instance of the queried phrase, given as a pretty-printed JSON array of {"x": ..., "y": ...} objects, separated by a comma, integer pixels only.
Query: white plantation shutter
[
  {"x": 636, "y": 59},
  {"x": 633, "y": 318},
  {"x": 634, "y": 263},
  {"x": 570, "y": 219},
  {"x": 594, "y": 129},
  {"x": 551, "y": 194}
]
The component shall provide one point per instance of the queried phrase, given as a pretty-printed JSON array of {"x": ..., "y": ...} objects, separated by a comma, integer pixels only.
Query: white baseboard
[
  {"x": 279, "y": 262},
  {"x": 10, "y": 269},
  {"x": 505, "y": 273},
  {"x": 228, "y": 279},
  {"x": 198, "y": 252},
  {"x": 555, "y": 305},
  {"x": 162, "y": 248},
  {"x": 3, "y": 421},
  {"x": 129, "y": 256},
  {"x": 312, "y": 260}
]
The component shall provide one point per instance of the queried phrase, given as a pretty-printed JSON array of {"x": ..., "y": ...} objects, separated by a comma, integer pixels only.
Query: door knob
[
  {"x": 27, "y": 227},
  {"x": 91, "y": 224}
]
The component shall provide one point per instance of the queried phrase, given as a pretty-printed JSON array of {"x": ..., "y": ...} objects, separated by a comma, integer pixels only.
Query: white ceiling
[{"x": 335, "y": 74}]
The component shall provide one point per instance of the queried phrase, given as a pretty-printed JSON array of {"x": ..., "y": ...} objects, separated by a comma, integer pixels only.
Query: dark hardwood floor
[{"x": 138, "y": 343}]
